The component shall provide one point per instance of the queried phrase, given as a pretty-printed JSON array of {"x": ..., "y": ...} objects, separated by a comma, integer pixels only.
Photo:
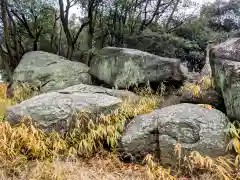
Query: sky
[
  {"x": 204, "y": 1},
  {"x": 74, "y": 9}
]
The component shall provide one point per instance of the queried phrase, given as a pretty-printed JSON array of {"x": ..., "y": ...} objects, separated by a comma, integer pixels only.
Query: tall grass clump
[
  {"x": 155, "y": 171},
  {"x": 195, "y": 165},
  {"x": 233, "y": 131},
  {"x": 93, "y": 132},
  {"x": 196, "y": 88},
  {"x": 24, "y": 142},
  {"x": 20, "y": 93}
]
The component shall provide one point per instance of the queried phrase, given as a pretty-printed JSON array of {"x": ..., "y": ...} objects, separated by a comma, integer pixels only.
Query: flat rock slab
[
  {"x": 55, "y": 110},
  {"x": 84, "y": 88},
  {"x": 194, "y": 127}
]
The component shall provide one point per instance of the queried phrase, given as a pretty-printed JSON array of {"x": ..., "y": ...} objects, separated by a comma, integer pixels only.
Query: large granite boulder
[
  {"x": 50, "y": 72},
  {"x": 196, "y": 128},
  {"x": 225, "y": 64},
  {"x": 122, "y": 67},
  {"x": 55, "y": 110}
]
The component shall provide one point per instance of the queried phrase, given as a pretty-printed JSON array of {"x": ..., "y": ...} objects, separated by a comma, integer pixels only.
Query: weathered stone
[
  {"x": 50, "y": 72},
  {"x": 190, "y": 77},
  {"x": 225, "y": 64},
  {"x": 84, "y": 88},
  {"x": 55, "y": 110},
  {"x": 206, "y": 70},
  {"x": 122, "y": 67},
  {"x": 3, "y": 76},
  {"x": 170, "y": 100},
  {"x": 228, "y": 50},
  {"x": 210, "y": 97},
  {"x": 194, "y": 127}
]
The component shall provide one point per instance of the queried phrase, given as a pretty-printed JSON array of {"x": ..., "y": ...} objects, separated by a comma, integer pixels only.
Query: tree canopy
[{"x": 171, "y": 28}]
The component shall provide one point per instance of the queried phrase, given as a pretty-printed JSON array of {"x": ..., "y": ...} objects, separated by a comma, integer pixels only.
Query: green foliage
[{"x": 121, "y": 23}]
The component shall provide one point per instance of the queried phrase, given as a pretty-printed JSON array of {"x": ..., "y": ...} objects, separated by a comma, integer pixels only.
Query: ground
[{"x": 28, "y": 153}]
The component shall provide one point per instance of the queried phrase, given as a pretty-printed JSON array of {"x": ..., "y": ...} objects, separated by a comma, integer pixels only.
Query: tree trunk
[
  {"x": 90, "y": 39},
  {"x": 70, "y": 51},
  {"x": 59, "y": 41},
  {"x": 6, "y": 64},
  {"x": 53, "y": 32},
  {"x": 172, "y": 13},
  {"x": 6, "y": 37},
  {"x": 35, "y": 45},
  {"x": 16, "y": 41}
]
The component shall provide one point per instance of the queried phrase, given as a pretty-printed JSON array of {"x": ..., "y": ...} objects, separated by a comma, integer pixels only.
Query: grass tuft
[
  {"x": 196, "y": 88},
  {"x": 154, "y": 171},
  {"x": 93, "y": 132},
  {"x": 24, "y": 148},
  {"x": 21, "y": 93}
]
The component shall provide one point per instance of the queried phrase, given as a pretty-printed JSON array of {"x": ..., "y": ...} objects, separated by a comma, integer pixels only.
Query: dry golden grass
[
  {"x": 155, "y": 171},
  {"x": 21, "y": 93},
  {"x": 100, "y": 166},
  {"x": 93, "y": 132},
  {"x": 28, "y": 153},
  {"x": 198, "y": 87},
  {"x": 24, "y": 142}
]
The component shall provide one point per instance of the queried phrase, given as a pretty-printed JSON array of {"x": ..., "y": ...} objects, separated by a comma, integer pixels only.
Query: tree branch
[{"x": 79, "y": 31}]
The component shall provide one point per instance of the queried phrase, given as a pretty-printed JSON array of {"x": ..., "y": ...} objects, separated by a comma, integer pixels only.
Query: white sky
[{"x": 201, "y": 2}]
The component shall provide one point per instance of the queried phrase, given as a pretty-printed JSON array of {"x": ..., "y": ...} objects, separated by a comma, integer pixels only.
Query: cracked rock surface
[
  {"x": 84, "y": 88},
  {"x": 225, "y": 64},
  {"x": 194, "y": 127},
  {"x": 50, "y": 72},
  {"x": 56, "y": 110},
  {"x": 124, "y": 67}
]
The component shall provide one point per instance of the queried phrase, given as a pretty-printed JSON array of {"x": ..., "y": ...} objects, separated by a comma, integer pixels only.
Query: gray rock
[
  {"x": 194, "y": 127},
  {"x": 190, "y": 77},
  {"x": 122, "y": 67},
  {"x": 229, "y": 50},
  {"x": 55, "y": 110},
  {"x": 210, "y": 97},
  {"x": 84, "y": 88},
  {"x": 206, "y": 70},
  {"x": 225, "y": 64},
  {"x": 170, "y": 100},
  {"x": 3, "y": 76},
  {"x": 50, "y": 72}
]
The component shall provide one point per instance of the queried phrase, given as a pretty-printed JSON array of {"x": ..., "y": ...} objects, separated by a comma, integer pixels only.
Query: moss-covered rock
[
  {"x": 196, "y": 128},
  {"x": 225, "y": 64},
  {"x": 123, "y": 68},
  {"x": 57, "y": 110},
  {"x": 50, "y": 72}
]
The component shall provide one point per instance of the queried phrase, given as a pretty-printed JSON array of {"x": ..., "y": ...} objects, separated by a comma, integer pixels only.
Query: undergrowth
[
  {"x": 24, "y": 143},
  {"x": 21, "y": 93},
  {"x": 198, "y": 87}
]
